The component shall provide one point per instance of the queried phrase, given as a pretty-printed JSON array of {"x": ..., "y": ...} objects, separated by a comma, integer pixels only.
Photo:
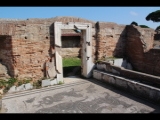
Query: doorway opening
[
  {"x": 85, "y": 42},
  {"x": 70, "y": 52}
]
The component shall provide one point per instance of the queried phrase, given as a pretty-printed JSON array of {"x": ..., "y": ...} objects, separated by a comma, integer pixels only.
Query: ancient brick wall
[
  {"x": 30, "y": 41},
  {"x": 28, "y": 48},
  {"x": 111, "y": 39},
  {"x": 6, "y": 55},
  {"x": 139, "y": 50},
  {"x": 7, "y": 28},
  {"x": 152, "y": 62}
]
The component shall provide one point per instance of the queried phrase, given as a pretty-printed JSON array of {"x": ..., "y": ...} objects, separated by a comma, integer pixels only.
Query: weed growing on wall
[
  {"x": 60, "y": 82},
  {"x": 7, "y": 83},
  {"x": 37, "y": 84}
]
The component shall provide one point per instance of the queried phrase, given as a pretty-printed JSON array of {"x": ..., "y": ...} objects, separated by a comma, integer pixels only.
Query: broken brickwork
[{"x": 25, "y": 43}]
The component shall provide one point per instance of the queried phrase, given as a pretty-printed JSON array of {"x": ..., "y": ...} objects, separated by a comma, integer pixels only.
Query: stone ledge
[
  {"x": 129, "y": 85},
  {"x": 108, "y": 67}
]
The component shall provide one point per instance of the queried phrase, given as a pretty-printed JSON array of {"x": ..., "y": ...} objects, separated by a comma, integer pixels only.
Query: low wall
[
  {"x": 143, "y": 77},
  {"x": 131, "y": 86}
]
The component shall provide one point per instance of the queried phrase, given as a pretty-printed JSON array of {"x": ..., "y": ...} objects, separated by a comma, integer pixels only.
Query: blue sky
[{"x": 119, "y": 15}]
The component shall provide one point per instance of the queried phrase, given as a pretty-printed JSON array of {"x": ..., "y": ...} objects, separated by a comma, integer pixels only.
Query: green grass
[
  {"x": 71, "y": 62},
  {"x": 7, "y": 84},
  {"x": 60, "y": 82},
  {"x": 11, "y": 82}
]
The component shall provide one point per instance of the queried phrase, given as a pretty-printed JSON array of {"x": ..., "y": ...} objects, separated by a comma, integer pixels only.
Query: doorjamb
[{"x": 86, "y": 54}]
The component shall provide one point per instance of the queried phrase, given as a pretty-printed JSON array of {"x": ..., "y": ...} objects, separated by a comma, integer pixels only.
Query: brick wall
[
  {"x": 6, "y": 54},
  {"x": 139, "y": 50},
  {"x": 111, "y": 39},
  {"x": 29, "y": 41}
]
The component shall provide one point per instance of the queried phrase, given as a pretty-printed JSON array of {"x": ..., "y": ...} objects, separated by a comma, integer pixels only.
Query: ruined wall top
[
  {"x": 17, "y": 26},
  {"x": 32, "y": 27},
  {"x": 14, "y": 27},
  {"x": 145, "y": 35},
  {"x": 42, "y": 20}
]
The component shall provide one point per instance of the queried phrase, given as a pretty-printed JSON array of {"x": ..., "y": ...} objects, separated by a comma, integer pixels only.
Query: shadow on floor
[{"x": 127, "y": 94}]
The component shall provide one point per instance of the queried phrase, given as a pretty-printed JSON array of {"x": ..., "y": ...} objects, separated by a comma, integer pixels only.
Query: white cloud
[{"x": 133, "y": 13}]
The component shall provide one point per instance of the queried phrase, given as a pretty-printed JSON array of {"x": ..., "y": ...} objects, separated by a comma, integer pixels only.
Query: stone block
[
  {"x": 28, "y": 86},
  {"x": 105, "y": 78},
  {"x": 12, "y": 89},
  {"x": 58, "y": 62},
  {"x": 89, "y": 51},
  {"x": 115, "y": 71},
  {"x": 132, "y": 87},
  {"x": 57, "y": 33},
  {"x": 59, "y": 78},
  {"x": 98, "y": 66},
  {"x": 97, "y": 75},
  {"x": 121, "y": 83},
  {"x": 1, "y": 91},
  {"x": 53, "y": 82},
  {"x": 101, "y": 66},
  {"x": 46, "y": 82},
  {"x": 118, "y": 62},
  {"x": 20, "y": 88},
  {"x": 111, "y": 62},
  {"x": 94, "y": 74},
  {"x": 108, "y": 68},
  {"x": 112, "y": 80}
]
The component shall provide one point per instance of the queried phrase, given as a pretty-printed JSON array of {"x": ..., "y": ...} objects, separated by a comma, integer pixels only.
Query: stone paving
[{"x": 76, "y": 95}]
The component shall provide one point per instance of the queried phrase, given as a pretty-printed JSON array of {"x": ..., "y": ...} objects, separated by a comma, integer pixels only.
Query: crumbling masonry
[{"x": 25, "y": 43}]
